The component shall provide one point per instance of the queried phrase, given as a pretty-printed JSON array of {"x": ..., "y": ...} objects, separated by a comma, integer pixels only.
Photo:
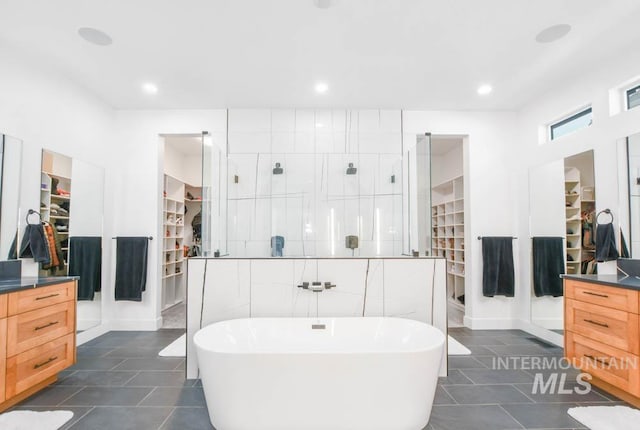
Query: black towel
[
  {"x": 34, "y": 244},
  {"x": 131, "y": 267},
  {"x": 623, "y": 245},
  {"x": 85, "y": 261},
  {"x": 606, "y": 243},
  {"x": 498, "y": 277},
  {"x": 548, "y": 265}
]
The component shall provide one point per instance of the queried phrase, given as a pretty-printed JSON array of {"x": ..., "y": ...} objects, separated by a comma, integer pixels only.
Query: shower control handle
[
  {"x": 304, "y": 286},
  {"x": 329, "y": 285}
]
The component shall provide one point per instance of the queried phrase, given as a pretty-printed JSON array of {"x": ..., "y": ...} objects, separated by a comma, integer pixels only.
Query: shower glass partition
[{"x": 315, "y": 183}]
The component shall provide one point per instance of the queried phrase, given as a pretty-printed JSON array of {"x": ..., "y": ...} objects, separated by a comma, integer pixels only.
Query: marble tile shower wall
[{"x": 314, "y": 204}]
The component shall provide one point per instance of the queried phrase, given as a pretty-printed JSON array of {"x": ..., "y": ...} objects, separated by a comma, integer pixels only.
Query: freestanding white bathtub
[{"x": 319, "y": 374}]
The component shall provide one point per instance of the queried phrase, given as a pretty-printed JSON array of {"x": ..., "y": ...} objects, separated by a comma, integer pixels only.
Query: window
[
  {"x": 575, "y": 122},
  {"x": 633, "y": 97}
]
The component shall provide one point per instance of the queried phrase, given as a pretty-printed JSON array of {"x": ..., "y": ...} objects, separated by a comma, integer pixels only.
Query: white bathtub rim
[{"x": 437, "y": 343}]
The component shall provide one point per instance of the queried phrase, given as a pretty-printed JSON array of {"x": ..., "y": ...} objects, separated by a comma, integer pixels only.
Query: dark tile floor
[{"x": 120, "y": 383}]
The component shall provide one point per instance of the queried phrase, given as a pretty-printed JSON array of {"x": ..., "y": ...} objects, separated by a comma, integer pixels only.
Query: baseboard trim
[
  {"x": 135, "y": 325},
  {"x": 490, "y": 323},
  {"x": 90, "y": 334},
  {"x": 543, "y": 333}
]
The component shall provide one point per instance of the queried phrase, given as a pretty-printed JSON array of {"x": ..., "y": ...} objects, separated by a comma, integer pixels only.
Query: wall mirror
[
  {"x": 629, "y": 196},
  {"x": 72, "y": 208},
  {"x": 562, "y": 204},
  {"x": 10, "y": 171}
]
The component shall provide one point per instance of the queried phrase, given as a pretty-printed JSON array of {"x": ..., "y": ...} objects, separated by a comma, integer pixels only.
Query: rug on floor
[
  {"x": 30, "y": 420},
  {"x": 177, "y": 348},
  {"x": 456, "y": 348},
  {"x": 606, "y": 417}
]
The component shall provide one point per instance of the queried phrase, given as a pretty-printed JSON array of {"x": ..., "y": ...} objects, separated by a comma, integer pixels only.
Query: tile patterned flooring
[{"x": 120, "y": 383}]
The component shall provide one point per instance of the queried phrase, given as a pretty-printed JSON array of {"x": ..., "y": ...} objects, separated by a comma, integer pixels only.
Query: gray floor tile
[
  {"x": 478, "y": 340},
  {"x": 188, "y": 419},
  {"x": 442, "y": 397},
  {"x": 160, "y": 379},
  {"x": 470, "y": 417},
  {"x": 51, "y": 396},
  {"x": 93, "y": 363},
  {"x": 121, "y": 418},
  {"x": 133, "y": 352},
  {"x": 479, "y": 350},
  {"x": 147, "y": 364},
  {"x": 555, "y": 396},
  {"x": 98, "y": 378},
  {"x": 486, "y": 394},
  {"x": 524, "y": 350},
  {"x": 175, "y": 396},
  {"x": 464, "y": 362},
  {"x": 455, "y": 377},
  {"x": 543, "y": 415},
  {"x": 92, "y": 352},
  {"x": 490, "y": 376},
  {"x": 108, "y": 396}
]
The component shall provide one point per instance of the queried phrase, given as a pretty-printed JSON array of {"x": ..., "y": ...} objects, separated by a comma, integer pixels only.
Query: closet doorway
[
  {"x": 181, "y": 221},
  {"x": 448, "y": 218}
]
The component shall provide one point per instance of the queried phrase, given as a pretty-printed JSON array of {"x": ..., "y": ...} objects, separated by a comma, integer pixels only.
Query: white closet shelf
[
  {"x": 58, "y": 217},
  {"x": 56, "y": 196}
]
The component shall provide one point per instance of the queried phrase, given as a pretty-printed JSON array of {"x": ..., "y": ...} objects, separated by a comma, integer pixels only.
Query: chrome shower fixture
[
  {"x": 278, "y": 170},
  {"x": 351, "y": 170}
]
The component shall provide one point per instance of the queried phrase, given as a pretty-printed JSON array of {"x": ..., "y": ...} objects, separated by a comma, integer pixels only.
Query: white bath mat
[
  {"x": 606, "y": 417},
  {"x": 456, "y": 348},
  {"x": 177, "y": 348},
  {"x": 30, "y": 420}
]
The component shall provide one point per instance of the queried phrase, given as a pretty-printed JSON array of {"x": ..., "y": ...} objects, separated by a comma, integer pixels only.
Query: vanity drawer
[
  {"x": 3, "y": 356},
  {"x": 37, "y": 298},
  {"x": 602, "y": 295},
  {"x": 35, "y": 365},
  {"x": 613, "y": 327},
  {"x": 4, "y": 298},
  {"x": 34, "y": 328},
  {"x": 618, "y": 368}
]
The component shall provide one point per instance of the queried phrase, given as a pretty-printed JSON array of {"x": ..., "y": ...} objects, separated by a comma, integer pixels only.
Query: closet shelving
[
  {"x": 573, "y": 205},
  {"x": 447, "y": 220},
  {"x": 173, "y": 282},
  {"x": 47, "y": 199}
]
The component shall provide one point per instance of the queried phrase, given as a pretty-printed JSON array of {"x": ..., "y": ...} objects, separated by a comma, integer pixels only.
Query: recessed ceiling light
[
  {"x": 150, "y": 88},
  {"x": 553, "y": 33},
  {"x": 321, "y": 87},
  {"x": 322, "y": 4},
  {"x": 95, "y": 36},
  {"x": 485, "y": 89}
]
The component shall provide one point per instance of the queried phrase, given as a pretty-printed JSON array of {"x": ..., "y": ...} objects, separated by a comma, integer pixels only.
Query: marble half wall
[{"x": 229, "y": 288}]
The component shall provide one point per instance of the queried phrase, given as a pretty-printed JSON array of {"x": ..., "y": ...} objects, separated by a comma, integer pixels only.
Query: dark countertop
[
  {"x": 26, "y": 283},
  {"x": 621, "y": 281}
]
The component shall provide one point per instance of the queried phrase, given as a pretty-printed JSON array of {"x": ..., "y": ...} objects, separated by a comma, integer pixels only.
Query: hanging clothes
[
  {"x": 34, "y": 244},
  {"x": 55, "y": 250}
]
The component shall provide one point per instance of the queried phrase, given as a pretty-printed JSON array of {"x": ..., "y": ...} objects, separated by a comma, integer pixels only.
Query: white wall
[
  {"x": 489, "y": 192},
  {"x": 591, "y": 87},
  {"x": 447, "y": 166},
  {"x": 139, "y": 195}
]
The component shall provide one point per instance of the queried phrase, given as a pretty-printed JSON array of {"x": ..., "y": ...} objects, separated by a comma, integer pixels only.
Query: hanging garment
[
  {"x": 548, "y": 265},
  {"x": 606, "y": 243},
  {"x": 277, "y": 245},
  {"x": 131, "y": 267},
  {"x": 34, "y": 244},
  {"x": 498, "y": 277},
  {"x": 85, "y": 261},
  {"x": 55, "y": 249}
]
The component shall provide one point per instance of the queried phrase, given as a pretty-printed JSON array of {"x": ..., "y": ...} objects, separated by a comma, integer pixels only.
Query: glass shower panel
[
  {"x": 419, "y": 196},
  {"x": 214, "y": 199}
]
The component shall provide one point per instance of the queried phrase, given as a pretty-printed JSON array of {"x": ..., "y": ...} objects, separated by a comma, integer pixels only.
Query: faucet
[{"x": 317, "y": 286}]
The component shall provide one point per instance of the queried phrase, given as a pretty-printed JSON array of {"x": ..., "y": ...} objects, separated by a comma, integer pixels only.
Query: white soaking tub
[{"x": 319, "y": 374}]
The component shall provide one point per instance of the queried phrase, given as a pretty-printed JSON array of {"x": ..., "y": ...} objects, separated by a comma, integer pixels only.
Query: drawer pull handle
[
  {"x": 597, "y": 323},
  {"x": 596, "y": 359},
  {"x": 596, "y": 294},
  {"x": 47, "y": 297},
  {"x": 44, "y": 363},
  {"x": 46, "y": 325}
]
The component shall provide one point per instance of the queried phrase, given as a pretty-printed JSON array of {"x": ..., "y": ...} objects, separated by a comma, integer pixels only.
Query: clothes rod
[
  {"x": 148, "y": 237},
  {"x": 480, "y": 237}
]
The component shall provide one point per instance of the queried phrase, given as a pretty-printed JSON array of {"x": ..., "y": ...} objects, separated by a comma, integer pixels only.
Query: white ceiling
[{"x": 412, "y": 54}]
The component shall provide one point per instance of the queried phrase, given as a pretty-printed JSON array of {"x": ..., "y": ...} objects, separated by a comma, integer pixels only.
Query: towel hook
[
  {"x": 32, "y": 212},
  {"x": 606, "y": 212}
]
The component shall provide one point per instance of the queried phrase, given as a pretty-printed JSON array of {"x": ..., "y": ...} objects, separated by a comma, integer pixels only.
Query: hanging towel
[
  {"x": 277, "y": 245},
  {"x": 131, "y": 267},
  {"x": 34, "y": 244},
  {"x": 623, "y": 245},
  {"x": 606, "y": 243},
  {"x": 85, "y": 261},
  {"x": 548, "y": 265},
  {"x": 13, "y": 250},
  {"x": 498, "y": 277}
]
